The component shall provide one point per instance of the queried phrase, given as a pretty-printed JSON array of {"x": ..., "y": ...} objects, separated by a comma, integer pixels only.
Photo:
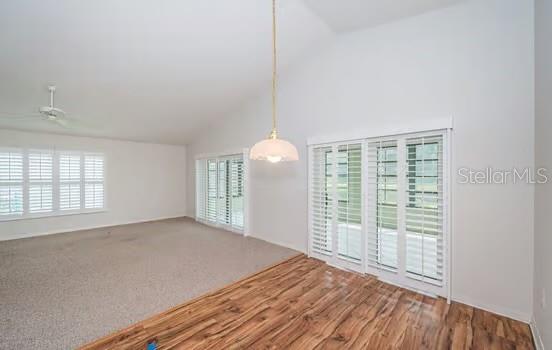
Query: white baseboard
[
  {"x": 539, "y": 345},
  {"x": 518, "y": 316},
  {"x": 285, "y": 245},
  {"x": 248, "y": 234},
  {"x": 220, "y": 227},
  {"x": 90, "y": 227}
]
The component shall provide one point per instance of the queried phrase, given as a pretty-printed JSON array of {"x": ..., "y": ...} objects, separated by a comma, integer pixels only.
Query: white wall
[
  {"x": 543, "y": 193},
  {"x": 474, "y": 62},
  {"x": 144, "y": 182}
]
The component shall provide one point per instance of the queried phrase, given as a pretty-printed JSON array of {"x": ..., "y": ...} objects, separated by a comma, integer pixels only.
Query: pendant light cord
[{"x": 273, "y": 133}]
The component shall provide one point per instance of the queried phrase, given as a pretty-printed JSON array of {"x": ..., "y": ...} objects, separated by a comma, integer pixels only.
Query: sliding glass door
[
  {"x": 379, "y": 206},
  {"x": 424, "y": 209},
  {"x": 220, "y": 191},
  {"x": 336, "y": 205}
]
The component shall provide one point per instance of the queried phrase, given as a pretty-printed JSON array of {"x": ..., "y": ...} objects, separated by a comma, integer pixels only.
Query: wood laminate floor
[{"x": 303, "y": 303}]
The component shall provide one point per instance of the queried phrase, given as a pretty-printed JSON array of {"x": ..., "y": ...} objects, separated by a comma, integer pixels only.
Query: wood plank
[{"x": 303, "y": 303}]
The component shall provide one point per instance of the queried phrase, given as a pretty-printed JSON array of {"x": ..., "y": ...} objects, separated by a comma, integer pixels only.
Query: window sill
[{"x": 52, "y": 215}]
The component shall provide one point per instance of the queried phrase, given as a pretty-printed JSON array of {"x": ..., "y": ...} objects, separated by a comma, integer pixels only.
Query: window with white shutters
[
  {"x": 40, "y": 175},
  {"x": 382, "y": 202},
  {"x": 41, "y": 182},
  {"x": 201, "y": 189},
  {"x": 321, "y": 200},
  {"x": 381, "y": 208},
  {"x": 336, "y": 204},
  {"x": 220, "y": 191},
  {"x": 237, "y": 191},
  {"x": 349, "y": 198},
  {"x": 94, "y": 181},
  {"x": 223, "y": 197},
  {"x": 11, "y": 183},
  {"x": 69, "y": 181},
  {"x": 212, "y": 191},
  {"x": 424, "y": 209}
]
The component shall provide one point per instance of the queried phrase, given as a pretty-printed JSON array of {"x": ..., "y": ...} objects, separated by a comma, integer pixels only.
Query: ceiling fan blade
[
  {"x": 63, "y": 123},
  {"x": 72, "y": 124},
  {"x": 81, "y": 123}
]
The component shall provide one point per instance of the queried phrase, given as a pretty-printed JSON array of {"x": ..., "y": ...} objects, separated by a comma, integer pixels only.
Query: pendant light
[{"x": 274, "y": 149}]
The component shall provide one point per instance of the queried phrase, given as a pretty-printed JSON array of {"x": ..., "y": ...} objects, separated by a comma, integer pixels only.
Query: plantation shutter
[
  {"x": 322, "y": 196},
  {"x": 201, "y": 189},
  {"x": 425, "y": 209},
  {"x": 40, "y": 175},
  {"x": 220, "y": 191},
  {"x": 349, "y": 201},
  {"x": 335, "y": 192},
  {"x": 11, "y": 182},
  {"x": 223, "y": 203},
  {"x": 381, "y": 207},
  {"x": 93, "y": 181},
  {"x": 212, "y": 191},
  {"x": 69, "y": 181},
  {"x": 237, "y": 191},
  {"x": 383, "y": 201}
]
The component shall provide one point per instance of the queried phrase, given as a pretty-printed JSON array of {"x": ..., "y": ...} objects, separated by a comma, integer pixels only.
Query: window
[
  {"x": 424, "y": 209},
  {"x": 36, "y": 183},
  {"x": 349, "y": 197},
  {"x": 220, "y": 191},
  {"x": 69, "y": 181},
  {"x": 212, "y": 190},
  {"x": 93, "y": 181},
  {"x": 407, "y": 203},
  {"x": 379, "y": 206},
  {"x": 382, "y": 224},
  {"x": 322, "y": 198},
  {"x": 11, "y": 183},
  {"x": 336, "y": 204},
  {"x": 40, "y": 181}
]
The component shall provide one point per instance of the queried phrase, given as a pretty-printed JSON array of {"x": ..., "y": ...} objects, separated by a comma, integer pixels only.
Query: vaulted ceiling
[
  {"x": 159, "y": 71},
  {"x": 349, "y": 15}
]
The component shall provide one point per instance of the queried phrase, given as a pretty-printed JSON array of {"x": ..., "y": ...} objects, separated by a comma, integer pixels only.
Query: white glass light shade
[{"x": 274, "y": 150}]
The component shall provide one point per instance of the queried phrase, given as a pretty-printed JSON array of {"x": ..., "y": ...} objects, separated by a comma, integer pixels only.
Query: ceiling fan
[{"x": 50, "y": 113}]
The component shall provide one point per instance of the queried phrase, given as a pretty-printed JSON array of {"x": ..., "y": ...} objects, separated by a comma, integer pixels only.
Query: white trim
[
  {"x": 244, "y": 151},
  {"x": 246, "y": 190},
  {"x": 309, "y": 202},
  {"x": 449, "y": 189},
  {"x": 86, "y": 228},
  {"x": 279, "y": 243},
  {"x": 499, "y": 310},
  {"x": 36, "y": 216},
  {"x": 220, "y": 226},
  {"x": 537, "y": 339},
  {"x": 384, "y": 130}
]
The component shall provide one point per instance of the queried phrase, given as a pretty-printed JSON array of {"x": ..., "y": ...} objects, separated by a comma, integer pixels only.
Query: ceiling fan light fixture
[{"x": 273, "y": 149}]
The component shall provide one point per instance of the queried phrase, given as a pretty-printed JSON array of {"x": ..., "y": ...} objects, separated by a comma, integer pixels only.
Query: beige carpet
[{"x": 61, "y": 291}]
